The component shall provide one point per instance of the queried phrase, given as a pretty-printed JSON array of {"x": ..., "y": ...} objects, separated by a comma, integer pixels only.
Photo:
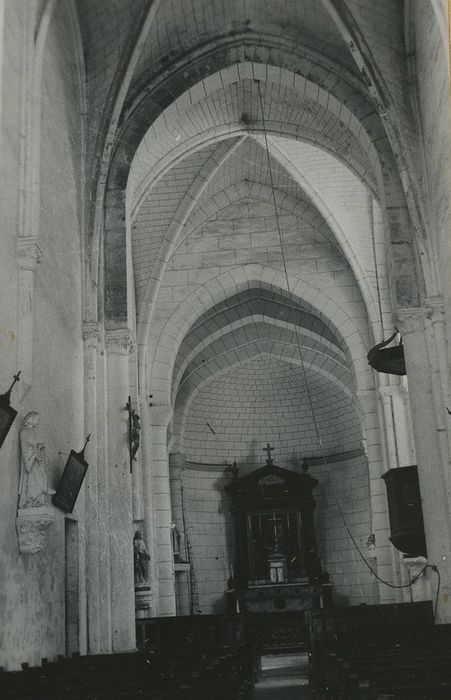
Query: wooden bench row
[
  {"x": 402, "y": 673},
  {"x": 380, "y": 652},
  {"x": 223, "y": 673}
]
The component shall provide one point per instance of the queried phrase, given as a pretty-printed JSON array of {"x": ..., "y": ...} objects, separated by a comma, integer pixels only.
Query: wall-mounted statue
[
  {"x": 141, "y": 558},
  {"x": 33, "y": 488},
  {"x": 35, "y": 515}
]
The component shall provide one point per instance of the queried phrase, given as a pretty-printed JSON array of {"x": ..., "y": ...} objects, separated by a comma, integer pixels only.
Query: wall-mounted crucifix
[
  {"x": 268, "y": 449},
  {"x": 134, "y": 426}
]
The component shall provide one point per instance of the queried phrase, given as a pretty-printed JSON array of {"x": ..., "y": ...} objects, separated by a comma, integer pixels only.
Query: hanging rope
[{"x": 309, "y": 395}]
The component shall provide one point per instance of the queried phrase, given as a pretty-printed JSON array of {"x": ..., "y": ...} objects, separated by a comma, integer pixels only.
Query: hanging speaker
[
  {"x": 405, "y": 511},
  {"x": 388, "y": 360}
]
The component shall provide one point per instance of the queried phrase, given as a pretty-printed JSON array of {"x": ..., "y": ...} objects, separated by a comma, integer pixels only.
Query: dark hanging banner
[
  {"x": 7, "y": 412},
  {"x": 71, "y": 480}
]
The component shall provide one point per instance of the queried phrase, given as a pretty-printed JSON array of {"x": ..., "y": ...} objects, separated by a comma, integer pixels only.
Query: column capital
[
  {"x": 388, "y": 390},
  {"x": 29, "y": 252},
  {"x": 409, "y": 320},
  {"x": 434, "y": 309},
  {"x": 92, "y": 332},
  {"x": 119, "y": 341}
]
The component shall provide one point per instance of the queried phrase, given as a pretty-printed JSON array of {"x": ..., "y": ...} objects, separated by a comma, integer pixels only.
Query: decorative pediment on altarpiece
[{"x": 271, "y": 484}]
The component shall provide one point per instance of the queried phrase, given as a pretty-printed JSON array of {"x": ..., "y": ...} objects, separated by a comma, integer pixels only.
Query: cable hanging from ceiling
[{"x": 378, "y": 347}]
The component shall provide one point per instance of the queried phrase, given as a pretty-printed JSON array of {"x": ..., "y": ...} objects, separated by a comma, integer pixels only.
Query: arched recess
[
  {"x": 317, "y": 382},
  {"x": 232, "y": 282},
  {"x": 365, "y": 411},
  {"x": 405, "y": 284},
  {"x": 291, "y": 335}
]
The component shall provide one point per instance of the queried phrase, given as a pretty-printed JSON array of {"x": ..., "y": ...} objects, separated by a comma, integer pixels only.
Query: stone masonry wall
[{"x": 32, "y": 599}]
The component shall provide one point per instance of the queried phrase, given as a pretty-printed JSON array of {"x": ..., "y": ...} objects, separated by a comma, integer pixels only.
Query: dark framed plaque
[
  {"x": 7, "y": 415},
  {"x": 71, "y": 481},
  {"x": 7, "y": 412}
]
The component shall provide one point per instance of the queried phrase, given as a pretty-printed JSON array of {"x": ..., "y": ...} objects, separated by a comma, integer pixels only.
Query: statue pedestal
[
  {"x": 143, "y": 602},
  {"x": 32, "y": 525}
]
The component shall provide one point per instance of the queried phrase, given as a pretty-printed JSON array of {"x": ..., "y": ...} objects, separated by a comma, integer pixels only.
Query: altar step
[
  {"x": 287, "y": 688},
  {"x": 294, "y": 665}
]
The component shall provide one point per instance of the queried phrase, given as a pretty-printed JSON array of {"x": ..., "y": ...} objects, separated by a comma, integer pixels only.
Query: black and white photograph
[{"x": 225, "y": 344}]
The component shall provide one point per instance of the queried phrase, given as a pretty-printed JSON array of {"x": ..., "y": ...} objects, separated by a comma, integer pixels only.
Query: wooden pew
[
  {"x": 400, "y": 655},
  {"x": 185, "y": 660}
]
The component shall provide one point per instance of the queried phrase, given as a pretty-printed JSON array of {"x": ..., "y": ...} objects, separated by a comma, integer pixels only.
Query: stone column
[
  {"x": 405, "y": 445},
  {"x": 382, "y": 560},
  {"x": 432, "y": 467},
  {"x": 400, "y": 453},
  {"x": 385, "y": 394},
  {"x": 160, "y": 417},
  {"x": 147, "y": 498},
  {"x": 29, "y": 253},
  {"x": 176, "y": 464},
  {"x": 103, "y": 497},
  {"x": 436, "y": 336},
  {"x": 118, "y": 345},
  {"x": 92, "y": 333}
]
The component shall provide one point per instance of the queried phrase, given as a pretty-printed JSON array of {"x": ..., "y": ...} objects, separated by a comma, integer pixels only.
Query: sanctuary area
[{"x": 225, "y": 411}]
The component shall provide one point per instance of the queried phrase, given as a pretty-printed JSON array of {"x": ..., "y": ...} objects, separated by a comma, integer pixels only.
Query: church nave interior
[{"x": 215, "y": 213}]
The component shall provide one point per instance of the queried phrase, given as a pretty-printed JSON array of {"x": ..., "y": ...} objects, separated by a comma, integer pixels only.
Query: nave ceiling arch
[
  {"x": 266, "y": 337},
  {"x": 400, "y": 253},
  {"x": 322, "y": 33}
]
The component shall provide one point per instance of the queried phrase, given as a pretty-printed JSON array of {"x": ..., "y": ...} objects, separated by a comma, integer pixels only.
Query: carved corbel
[
  {"x": 92, "y": 333},
  {"x": 409, "y": 321},
  {"x": 434, "y": 310},
  {"x": 32, "y": 525},
  {"x": 29, "y": 253},
  {"x": 119, "y": 341}
]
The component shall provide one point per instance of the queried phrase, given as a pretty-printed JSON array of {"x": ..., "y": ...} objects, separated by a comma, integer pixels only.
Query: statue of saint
[
  {"x": 33, "y": 479},
  {"x": 141, "y": 558}
]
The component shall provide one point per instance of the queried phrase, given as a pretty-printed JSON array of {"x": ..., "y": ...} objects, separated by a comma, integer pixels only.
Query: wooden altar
[{"x": 277, "y": 566}]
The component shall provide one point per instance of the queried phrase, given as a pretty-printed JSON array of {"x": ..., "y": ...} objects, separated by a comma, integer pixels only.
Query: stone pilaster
[
  {"x": 176, "y": 466},
  {"x": 149, "y": 516},
  {"x": 432, "y": 465},
  {"x": 435, "y": 324},
  {"x": 396, "y": 412},
  {"x": 160, "y": 418},
  {"x": 382, "y": 561},
  {"x": 29, "y": 254},
  {"x": 119, "y": 343},
  {"x": 92, "y": 335}
]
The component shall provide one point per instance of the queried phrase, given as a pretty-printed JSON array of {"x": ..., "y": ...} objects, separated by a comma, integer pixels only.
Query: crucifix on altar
[
  {"x": 277, "y": 560},
  {"x": 274, "y": 522},
  {"x": 277, "y": 565}
]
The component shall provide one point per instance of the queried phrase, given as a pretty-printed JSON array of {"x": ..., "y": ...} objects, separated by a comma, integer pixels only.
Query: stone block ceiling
[{"x": 255, "y": 168}]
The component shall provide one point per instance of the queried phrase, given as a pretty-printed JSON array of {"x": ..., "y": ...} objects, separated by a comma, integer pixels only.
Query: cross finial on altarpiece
[{"x": 268, "y": 449}]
